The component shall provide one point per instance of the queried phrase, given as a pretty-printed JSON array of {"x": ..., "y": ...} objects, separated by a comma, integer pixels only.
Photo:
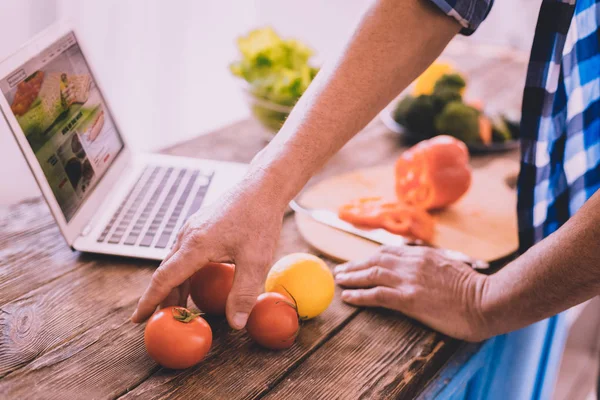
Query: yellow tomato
[
  {"x": 307, "y": 278},
  {"x": 425, "y": 83}
]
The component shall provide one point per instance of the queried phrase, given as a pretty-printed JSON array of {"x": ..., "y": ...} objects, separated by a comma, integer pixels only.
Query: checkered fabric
[
  {"x": 469, "y": 13},
  {"x": 560, "y": 118},
  {"x": 560, "y": 123}
]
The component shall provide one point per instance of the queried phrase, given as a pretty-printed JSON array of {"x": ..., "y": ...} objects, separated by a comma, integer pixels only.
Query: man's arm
[
  {"x": 394, "y": 42},
  {"x": 561, "y": 271}
]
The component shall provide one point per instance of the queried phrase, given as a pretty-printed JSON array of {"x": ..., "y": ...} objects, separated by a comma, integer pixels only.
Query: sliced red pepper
[{"x": 395, "y": 217}]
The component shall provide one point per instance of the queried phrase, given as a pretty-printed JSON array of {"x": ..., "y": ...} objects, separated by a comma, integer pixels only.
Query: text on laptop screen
[{"x": 60, "y": 109}]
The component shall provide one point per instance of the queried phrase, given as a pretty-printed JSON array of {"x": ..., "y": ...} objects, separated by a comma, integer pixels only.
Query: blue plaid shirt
[{"x": 560, "y": 126}]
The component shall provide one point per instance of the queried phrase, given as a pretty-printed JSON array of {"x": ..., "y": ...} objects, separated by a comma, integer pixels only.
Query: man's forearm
[
  {"x": 393, "y": 44},
  {"x": 559, "y": 272}
]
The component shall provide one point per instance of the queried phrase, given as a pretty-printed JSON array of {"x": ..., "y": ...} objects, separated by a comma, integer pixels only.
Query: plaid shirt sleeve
[{"x": 469, "y": 13}]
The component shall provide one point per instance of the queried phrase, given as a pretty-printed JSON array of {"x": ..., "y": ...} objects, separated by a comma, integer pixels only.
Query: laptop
[{"x": 105, "y": 197}]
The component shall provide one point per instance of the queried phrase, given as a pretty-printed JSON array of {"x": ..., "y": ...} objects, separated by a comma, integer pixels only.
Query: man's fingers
[
  {"x": 172, "y": 299},
  {"x": 174, "y": 249},
  {"x": 374, "y": 297},
  {"x": 379, "y": 259},
  {"x": 167, "y": 277},
  {"x": 178, "y": 296},
  {"x": 184, "y": 292},
  {"x": 247, "y": 285},
  {"x": 366, "y": 278}
]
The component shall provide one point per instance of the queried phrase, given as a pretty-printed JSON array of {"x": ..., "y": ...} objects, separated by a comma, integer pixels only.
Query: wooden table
[{"x": 64, "y": 316}]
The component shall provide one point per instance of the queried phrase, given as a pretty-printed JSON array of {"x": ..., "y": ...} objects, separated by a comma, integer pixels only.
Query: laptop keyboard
[{"x": 156, "y": 207}]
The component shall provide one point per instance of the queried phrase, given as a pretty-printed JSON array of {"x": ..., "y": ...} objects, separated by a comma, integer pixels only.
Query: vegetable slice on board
[{"x": 395, "y": 217}]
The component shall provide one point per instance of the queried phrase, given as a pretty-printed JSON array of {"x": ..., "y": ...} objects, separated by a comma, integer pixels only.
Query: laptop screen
[{"x": 63, "y": 116}]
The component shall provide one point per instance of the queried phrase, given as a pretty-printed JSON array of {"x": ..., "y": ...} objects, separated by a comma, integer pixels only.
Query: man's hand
[
  {"x": 239, "y": 230},
  {"x": 387, "y": 51},
  {"x": 417, "y": 281}
]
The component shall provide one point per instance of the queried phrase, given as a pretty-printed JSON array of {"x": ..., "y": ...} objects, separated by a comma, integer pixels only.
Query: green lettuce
[{"x": 276, "y": 69}]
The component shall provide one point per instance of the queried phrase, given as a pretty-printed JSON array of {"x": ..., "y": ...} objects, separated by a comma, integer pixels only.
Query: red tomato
[
  {"x": 177, "y": 338},
  {"x": 273, "y": 322},
  {"x": 210, "y": 286}
]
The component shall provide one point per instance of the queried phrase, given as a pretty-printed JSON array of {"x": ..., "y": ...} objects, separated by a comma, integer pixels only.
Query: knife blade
[{"x": 379, "y": 236}]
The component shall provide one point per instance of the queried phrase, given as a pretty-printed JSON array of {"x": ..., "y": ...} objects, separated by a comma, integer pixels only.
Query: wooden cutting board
[{"x": 482, "y": 224}]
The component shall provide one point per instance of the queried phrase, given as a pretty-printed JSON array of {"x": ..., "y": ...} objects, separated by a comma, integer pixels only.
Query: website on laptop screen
[{"x": 64, "y": 118}]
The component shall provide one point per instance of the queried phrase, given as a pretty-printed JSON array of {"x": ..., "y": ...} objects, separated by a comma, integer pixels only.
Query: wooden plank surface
[
  {"x": 110, "y": 358},
  {"x": 32, "y": 251},
  {"x": 378, "y": 355},
  {"x": 70, "y": 335},
  {"x": 56, "y": 314},
  {"x": 64, "y": 329}
]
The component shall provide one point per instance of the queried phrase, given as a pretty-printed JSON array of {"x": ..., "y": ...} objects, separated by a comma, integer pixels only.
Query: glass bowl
[{"x": 270, "y": 115}]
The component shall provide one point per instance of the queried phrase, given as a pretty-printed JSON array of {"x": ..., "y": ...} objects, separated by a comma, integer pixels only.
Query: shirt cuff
[{"x": 468, "y": 13}]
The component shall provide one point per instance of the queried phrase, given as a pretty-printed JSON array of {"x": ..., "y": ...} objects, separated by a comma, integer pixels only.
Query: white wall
[
  {"x": 16, "y": 27},
  {"x": 164, "y": 64}
]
